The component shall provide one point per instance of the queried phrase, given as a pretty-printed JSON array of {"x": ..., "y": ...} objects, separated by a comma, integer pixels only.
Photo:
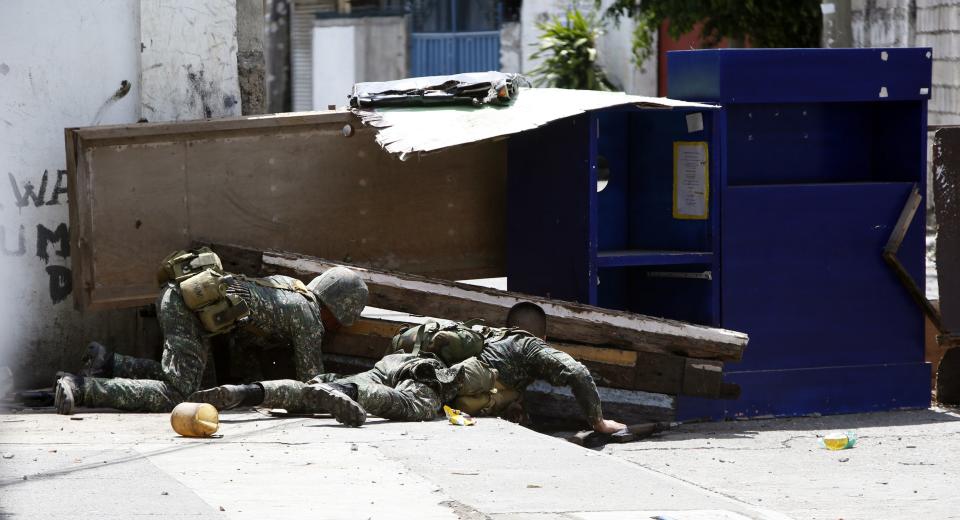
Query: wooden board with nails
[{"x": 566, "y": 322}]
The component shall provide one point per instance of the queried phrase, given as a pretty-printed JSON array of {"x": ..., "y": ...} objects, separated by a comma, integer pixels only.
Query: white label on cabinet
[
  {"x": 691, "y": 186},
  {"x": 694, "y": 122}
]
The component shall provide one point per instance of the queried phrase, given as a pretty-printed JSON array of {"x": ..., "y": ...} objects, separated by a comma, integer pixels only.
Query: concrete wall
[
  {"x": 378, "y": 48},
  {"x": 334, "y": 64},
  {"x": 938, "y": 26},
  {"x": 920, "y": 23},
  {"x": 616, "y": 58},
  {"x": 189, "y": 59},
  {"x": 66, "y": 64},
  {"x": 511, "y": 47},
  {"x": 613, "y": 47},
  {"x": 882, "y": 23},
  {"x": 251, "y": 62},
  {"x": 61, "y": 65}
]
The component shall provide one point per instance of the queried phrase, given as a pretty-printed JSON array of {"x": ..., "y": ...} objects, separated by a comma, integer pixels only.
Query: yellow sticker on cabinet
[{"x": 691, "y": 180}]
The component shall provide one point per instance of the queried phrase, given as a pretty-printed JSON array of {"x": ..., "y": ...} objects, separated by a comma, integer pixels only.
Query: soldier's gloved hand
[
  {"x": 227, "y": 397},
  {"x": 608, "y": 426}
]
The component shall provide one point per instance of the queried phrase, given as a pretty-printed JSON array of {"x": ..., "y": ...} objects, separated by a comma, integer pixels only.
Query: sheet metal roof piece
[
  {"x": 470, "y": 89},
  {"x": 407, "y": 131}
]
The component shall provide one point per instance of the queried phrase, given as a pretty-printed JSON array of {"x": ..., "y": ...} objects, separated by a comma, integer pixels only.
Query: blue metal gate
[
  {"x": 434, "y": 54},
  {"x": 454, "y": 36}
]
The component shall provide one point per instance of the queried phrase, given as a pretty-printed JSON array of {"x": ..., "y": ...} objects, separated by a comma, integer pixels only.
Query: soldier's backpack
[
  {"x": 450, "y": 341},
  {"x": 203, "y": 287},
  {"x": 180, "y": 265}
]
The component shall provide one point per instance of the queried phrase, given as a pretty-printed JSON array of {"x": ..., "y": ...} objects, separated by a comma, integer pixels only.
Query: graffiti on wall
[{"x": 20, "y": 240}]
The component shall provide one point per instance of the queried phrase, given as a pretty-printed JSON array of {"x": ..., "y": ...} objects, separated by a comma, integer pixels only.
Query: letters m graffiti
[
  {"x": 45, "y": 237},
  {"x": 60, "y": 281}
]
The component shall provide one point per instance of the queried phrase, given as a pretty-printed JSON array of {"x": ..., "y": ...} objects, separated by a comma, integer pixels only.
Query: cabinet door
[
  {"x": 804, "y": 277},
  {"x": 288, "y": 182}
]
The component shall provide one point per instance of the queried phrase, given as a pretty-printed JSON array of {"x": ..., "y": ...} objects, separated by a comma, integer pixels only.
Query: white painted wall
[
  {"x": 613, "y": 47},
  {"x": 348, "y": 50},
  {"x": 189, "y": 59},
  {"x": 62, "y": 64},
  {"x": 334, "y": 65},
  {"x": 511, "y": 47}
]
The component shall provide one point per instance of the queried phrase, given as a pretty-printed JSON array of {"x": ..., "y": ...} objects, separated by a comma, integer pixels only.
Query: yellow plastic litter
[
  {"x": 457, "y": 417},
  {"x": 195, "y": 419},
  {"x": 839, "y": 441}
]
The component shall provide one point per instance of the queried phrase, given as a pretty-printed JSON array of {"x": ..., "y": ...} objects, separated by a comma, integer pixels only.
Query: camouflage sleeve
[
  {"x": 306, "y": 335},
  {"x": 559, "y": 369}
]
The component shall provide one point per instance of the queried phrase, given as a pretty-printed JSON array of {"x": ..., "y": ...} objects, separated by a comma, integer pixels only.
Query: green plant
[
  {"x": 765, "y": 23},
  {"x": 569, "y": 52}
]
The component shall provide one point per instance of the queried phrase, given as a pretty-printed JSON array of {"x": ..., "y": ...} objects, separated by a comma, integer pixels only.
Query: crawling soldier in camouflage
[
  {"x": 272, "y": 312},
  {"x": 412, "y": 387}
]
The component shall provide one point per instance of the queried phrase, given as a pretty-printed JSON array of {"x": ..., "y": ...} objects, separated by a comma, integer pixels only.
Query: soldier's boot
[
  {"x": 68, "y": 393},
  {"x": 333, "y": 398},
  {"x": 97, "y": 361},
  {"x": 227, "y": 397}
]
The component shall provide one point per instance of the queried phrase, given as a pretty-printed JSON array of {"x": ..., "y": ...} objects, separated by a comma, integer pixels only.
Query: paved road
[
  {"x": 905, "y": 465},
  {"x": 121, "y": 466}
]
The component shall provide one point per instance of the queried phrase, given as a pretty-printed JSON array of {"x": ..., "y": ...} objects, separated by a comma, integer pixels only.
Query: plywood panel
[
  {"x": 133, "y": 216},
  {"x": 289, "y": 182}
]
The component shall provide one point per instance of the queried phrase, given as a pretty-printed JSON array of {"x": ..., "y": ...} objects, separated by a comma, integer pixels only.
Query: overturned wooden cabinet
[{"x": 313, "y": 183}]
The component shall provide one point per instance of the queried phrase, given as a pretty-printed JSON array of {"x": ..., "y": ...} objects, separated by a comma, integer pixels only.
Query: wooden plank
[
  {"x": 660, "y": 373},
  {"x": 140, "y": 191},
  {"x": 617, "y": 357},
  {"x": 946, "y": 197},
  {"x": 626, "y": 406},
  {"x": 196, "y": 128},
  {"x": 613, "y": 376},
  {"x": 566, "y": 321},
  {"x": 702, "y": 378}
]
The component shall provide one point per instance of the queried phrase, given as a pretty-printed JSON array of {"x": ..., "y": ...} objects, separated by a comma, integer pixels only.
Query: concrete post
[
  {"x": 279, "y": 97},
  {"x": 251, "y": 64},
  {"x": 836, "y": 24}
]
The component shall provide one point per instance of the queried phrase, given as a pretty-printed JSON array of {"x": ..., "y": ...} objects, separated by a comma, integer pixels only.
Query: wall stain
[
  {"x": 118, "y": 95},
  {"x": 201, "y": 91}
]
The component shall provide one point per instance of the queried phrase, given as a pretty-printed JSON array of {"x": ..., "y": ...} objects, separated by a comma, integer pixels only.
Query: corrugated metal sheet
[
  {"x": 452, "y": 53},
  {"x": 408, "y": 130},
  {"x": 301, "y": 53}
]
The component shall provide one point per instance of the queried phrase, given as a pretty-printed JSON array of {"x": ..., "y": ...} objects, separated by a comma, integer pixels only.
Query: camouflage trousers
[
  {"x": 149, "y": 386},
  {"x": 379, "y": 392},
  {"x": 136, "y": 368}
]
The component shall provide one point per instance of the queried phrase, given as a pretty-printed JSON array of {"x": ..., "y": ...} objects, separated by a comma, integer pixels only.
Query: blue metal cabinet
[
  {"x": 619, "y": 247},
  {"x": 811, "y": 157},
  {"x": 821, "y": 148}
]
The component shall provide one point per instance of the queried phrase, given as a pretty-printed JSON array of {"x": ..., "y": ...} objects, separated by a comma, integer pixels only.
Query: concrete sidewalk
[
  {"x": 113, "y": 466},
  {"x": 905, "y": 465}
]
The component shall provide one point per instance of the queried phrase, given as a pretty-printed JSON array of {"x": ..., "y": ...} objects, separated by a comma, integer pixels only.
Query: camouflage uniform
[
  {"x": 278, "y": 318},
  {"x": 400, "y": 388},
  {"x": 520, "y": 359}
]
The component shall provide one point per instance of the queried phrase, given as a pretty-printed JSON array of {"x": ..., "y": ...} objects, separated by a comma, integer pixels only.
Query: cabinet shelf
[{"x": 641, "y": 257}]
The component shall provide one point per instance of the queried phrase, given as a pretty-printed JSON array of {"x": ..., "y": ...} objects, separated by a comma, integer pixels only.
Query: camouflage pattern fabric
[
  {"x": 520, "y": 359},
  {"x": 279, "y": 318},
  {"x": 136, "y": 368},
  {"x": 400, "y": 387},
  {"x": 397, "y": 388}
]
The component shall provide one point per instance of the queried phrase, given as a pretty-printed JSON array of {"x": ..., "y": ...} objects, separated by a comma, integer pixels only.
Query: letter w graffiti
[{"x": 29, "y": 192}]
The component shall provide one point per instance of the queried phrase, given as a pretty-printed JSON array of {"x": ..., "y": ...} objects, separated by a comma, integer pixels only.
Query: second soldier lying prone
[{"x": 480, "y": 370}]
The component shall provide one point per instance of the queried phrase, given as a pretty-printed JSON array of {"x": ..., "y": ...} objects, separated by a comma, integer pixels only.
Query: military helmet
[{"x": 342, "y": 291}]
